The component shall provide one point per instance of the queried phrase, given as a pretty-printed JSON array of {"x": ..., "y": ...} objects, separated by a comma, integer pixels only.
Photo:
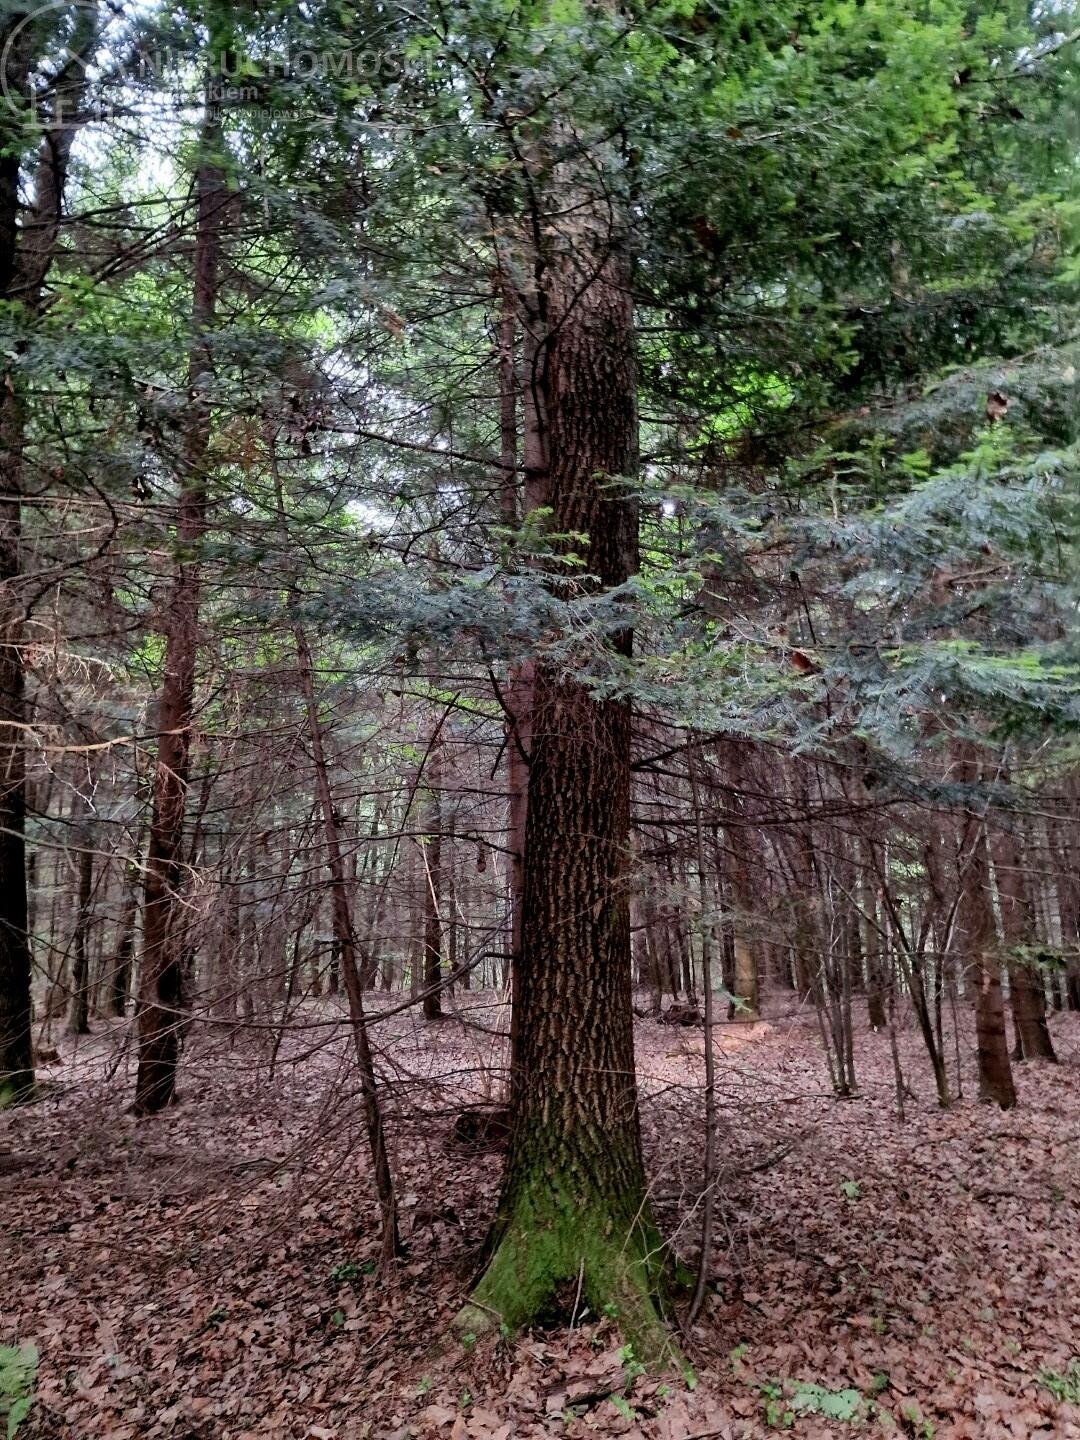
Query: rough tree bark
[
  {"x": 518, "y": 698},
  {"x": 1026, "y": 992},
  {"x": 573, "y": 1217},
  {"x": 25, "y": 256},
  {"x": 976, "y": 934},
  {"x": 162, "y": 971}
]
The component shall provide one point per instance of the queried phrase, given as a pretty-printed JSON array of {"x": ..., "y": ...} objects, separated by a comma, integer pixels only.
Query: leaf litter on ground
[{"x": 213, "y": 1273}]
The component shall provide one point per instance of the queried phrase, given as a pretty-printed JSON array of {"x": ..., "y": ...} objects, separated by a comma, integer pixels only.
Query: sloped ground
[{"x": 208, "y": 1274}]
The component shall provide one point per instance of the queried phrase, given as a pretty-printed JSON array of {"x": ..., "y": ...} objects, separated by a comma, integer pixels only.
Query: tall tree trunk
[
  {"x": 873, "y": 949},
  {"x": 1026, "y": 992},
  {"x": 709, "y": 1174},
  {"x": 16, "y": 1045},
  {"x": 79, "y": 1020},
  {"x": 742, "y": 845},
  {"x": 125, "y": 944},
  {"x": 25, "y": 257},
  {"x": 161, "y": 980},
  {"x": 453, "y": 927},
  {"x": 369, "y": 968},
  {"x": 1067, "y": 856},
  {"x": 746, "y": 967},
  {"x": 226, "y": 972},
  {"x": 573, "y": 1211},
  {"x": 518, "y": 700},
  {"x": 431, "y": 857},
  {"x": 977, "y": 937}
]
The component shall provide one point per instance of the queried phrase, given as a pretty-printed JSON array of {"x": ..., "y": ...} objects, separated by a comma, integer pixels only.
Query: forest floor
[{"x": 210, "y": 1273}]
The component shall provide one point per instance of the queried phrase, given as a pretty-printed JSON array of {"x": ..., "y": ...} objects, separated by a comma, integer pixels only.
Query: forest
[{"x": 539, "y": 713}]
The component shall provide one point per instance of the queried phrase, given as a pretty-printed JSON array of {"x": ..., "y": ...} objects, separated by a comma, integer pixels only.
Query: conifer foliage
[{"x": 543, "y": 520}]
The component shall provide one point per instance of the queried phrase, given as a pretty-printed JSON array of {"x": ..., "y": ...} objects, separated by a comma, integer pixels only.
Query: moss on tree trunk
[
  {"x": 563, "y": 1255},
  {"x": 573, "y": 1227}
]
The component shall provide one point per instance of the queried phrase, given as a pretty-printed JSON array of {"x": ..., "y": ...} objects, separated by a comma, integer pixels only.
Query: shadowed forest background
[{"x": 539, "y": 692}]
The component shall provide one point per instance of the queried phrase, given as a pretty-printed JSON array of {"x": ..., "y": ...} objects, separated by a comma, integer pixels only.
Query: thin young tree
[{"x": 161, "y": 972}]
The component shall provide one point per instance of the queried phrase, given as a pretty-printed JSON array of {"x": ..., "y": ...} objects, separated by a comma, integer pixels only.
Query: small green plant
[
  {"x": 425, "y": 1385},
  {"x": 786, "y": 1400},
  {"x": 625, "y": 1409},
  {"x": 337, "y": 1319},
  {"x": 777, "y": 1414},
  {"x": 1063, "y": 1386},
  {"x": 468, "y": 1341},
  {"x": 851, "y": 1189},
  {"x": 18, "y": 1366},
  {"x": 810, "y": 1399},
  {"x": 351, "y": 1270},
  {"x": 632, "y": 1366}
]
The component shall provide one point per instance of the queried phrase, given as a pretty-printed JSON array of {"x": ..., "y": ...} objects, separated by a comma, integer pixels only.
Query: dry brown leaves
[{"x": 209, "y": 1274}]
